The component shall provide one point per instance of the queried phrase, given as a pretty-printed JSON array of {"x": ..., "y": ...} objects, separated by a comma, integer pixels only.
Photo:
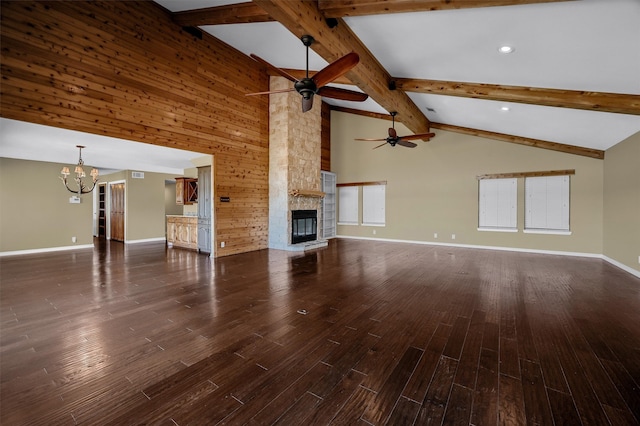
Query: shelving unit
[
  {"x": 186, "y": 190},
  {"x": 328, "y": 204}
]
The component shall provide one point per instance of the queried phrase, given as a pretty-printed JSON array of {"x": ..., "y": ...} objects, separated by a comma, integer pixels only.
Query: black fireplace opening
[{"x": 304, "y": 225}]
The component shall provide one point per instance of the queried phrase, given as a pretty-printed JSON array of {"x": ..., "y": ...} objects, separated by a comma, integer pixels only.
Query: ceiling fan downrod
[{"x": 307, "y": 40}]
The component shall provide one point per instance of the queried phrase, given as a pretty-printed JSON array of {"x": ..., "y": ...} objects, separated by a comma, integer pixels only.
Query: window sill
[
  {"x": 373, "y": 224},
  {"x": 546, "y": 231},
  {"x": 498, "y": 229}
]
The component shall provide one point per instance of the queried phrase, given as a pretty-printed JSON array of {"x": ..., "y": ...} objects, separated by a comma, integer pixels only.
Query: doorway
[
  {"x": 102, "y": 211},
  {"x": 117, "y": 210}
]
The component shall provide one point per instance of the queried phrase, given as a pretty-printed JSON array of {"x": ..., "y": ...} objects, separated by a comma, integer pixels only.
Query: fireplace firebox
[{"x": 304, "y": 225}]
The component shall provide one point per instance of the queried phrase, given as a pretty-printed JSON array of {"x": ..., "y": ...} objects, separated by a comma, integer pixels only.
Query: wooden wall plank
[{"x": 125, "y": 70}]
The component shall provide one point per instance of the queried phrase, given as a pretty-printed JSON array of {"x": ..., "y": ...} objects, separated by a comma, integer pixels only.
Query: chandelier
[{"x": 80, "y": 174}]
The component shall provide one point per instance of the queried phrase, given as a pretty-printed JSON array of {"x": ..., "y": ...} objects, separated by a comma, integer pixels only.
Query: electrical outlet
[
  {"x": 222, "y": 244},
  {"x": 453, "y": 236},
  {"x": 73, "y": 239},
  {"x": 374, "y": 232},
  {"x": 435, "y": 235}
]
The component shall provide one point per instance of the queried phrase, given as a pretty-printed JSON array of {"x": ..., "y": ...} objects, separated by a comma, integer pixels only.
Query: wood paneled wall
[
  {"x": 325, "y": 135},
  {"x": 124, "y": 69}
]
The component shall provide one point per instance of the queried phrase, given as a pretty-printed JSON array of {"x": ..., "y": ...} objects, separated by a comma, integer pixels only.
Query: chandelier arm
[{"x": 82, "y": 188}]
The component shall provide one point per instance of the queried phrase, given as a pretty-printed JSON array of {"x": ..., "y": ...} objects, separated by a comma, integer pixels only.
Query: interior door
[{"x": 117, "y": 212}]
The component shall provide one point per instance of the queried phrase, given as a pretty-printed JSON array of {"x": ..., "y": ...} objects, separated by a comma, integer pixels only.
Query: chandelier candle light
[{"x": 79, "y": 171}]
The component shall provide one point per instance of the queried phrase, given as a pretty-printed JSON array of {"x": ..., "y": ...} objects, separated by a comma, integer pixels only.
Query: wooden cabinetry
[
  {"x": 182, "y": 231},
  {"x": 186, "y": 190},
  {"x": 204, "y": 209}
]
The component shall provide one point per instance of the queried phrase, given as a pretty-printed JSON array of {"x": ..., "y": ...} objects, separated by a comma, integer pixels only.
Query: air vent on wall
[{"x": 137, "y": 175}]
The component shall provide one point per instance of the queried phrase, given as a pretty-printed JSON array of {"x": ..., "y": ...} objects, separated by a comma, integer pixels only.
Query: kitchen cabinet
[
  {"x": 186, "y": 190},
  {"x": 182, "y": 231}
]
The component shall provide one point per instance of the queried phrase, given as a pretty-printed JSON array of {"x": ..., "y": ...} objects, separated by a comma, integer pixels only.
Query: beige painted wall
[
  {"x": 145, "y": 204},
  {"x": 622, "y": 202},
  {"x": 170, "y": 206},
  {"x": 35, "y": 211},
  {"x": 433, "y": 188}
]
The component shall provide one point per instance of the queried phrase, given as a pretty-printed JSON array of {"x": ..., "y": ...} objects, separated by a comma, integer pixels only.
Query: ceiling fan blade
[
  {"x": 336, "y": 69},
  {"x": 273, "y": 91},
  {"x": 274, "y": 68},
  {"x": 407, "y": 144},
  {"x": 382, "y": 144},
  {"x": 419, "y": 136},
  {"x": 307, "y": 104},
  {"x": 392, "y": 133},
  {"x": 370, "y": 140},
  {"x": 343, "y": 94}
]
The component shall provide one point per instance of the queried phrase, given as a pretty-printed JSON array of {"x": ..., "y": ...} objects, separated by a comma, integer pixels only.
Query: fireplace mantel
[{"x": 306, "y": 193}]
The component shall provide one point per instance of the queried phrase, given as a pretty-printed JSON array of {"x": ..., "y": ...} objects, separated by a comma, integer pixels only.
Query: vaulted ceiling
[{"x": 571, "y": 83}]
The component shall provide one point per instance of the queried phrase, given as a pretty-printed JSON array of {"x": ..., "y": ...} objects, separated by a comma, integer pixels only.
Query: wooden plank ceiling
[{"x": 333, "y": 39}]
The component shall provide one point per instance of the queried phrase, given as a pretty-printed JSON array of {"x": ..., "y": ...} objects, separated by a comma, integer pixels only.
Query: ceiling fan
[
  {"x": 316, "y": 85},
  {"x": 393, "y": 139}
]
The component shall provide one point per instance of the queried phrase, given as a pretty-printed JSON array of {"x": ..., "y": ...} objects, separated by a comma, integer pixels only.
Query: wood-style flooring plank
[{"x": 358, "y": 333}]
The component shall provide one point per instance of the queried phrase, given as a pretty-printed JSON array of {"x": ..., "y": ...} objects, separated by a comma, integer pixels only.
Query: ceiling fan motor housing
[{"x": 306, "y": 87}]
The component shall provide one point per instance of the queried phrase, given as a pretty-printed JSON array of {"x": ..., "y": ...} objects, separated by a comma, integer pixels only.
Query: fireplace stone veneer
[{"x": 294, "y": 165}]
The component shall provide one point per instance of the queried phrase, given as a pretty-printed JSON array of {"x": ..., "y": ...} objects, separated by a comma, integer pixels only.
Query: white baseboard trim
[
  {"x": 44, "y": 250},
  {"x": 524, "y": 250},
  {"x": 146, "y": 240},
  {"x": 516, "y": 249},
  {"x": 621, "y": 266}
]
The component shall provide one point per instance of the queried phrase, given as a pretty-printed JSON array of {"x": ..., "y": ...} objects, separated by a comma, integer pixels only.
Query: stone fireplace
[
  {"x": 304, "y": 226},
  {"x": 294, "y": 165}
]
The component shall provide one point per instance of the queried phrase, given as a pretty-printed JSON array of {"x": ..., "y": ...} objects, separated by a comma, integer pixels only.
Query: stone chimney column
[{"x": 294, "y": 159}]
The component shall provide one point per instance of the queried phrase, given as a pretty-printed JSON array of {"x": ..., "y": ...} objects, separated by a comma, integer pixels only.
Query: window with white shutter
[
  {"x": 498, "y": 205},
  {"x": 547, "y": 204}
]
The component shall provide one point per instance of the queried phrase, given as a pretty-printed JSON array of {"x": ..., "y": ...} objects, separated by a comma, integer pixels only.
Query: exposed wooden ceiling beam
[
  {"x": 596, "y": 101},
  {"x": 239, "y": 13},
  {"x": 340, "y": 8},
  {"x": 242, "y": 13},
  {"x": 554, "y": 146},
  {"x": 303, "y": 17}
]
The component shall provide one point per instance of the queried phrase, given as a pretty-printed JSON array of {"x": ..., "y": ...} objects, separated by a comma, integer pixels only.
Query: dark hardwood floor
[{"x": 361, "y": 332}]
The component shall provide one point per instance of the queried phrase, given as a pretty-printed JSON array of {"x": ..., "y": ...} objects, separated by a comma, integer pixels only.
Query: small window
[
  {"x": 547, "y": 204},
  {"x": 348, "y": 205},
  {"x": 373, "y": 205},
  {"x": 498, "y": 205}
]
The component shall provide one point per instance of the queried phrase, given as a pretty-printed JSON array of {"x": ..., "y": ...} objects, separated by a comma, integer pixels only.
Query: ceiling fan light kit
[{"x": 317, "y": 85}]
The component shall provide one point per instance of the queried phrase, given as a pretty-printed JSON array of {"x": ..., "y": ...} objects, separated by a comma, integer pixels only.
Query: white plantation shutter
[
  {"x": 498, "y": 204},
  {"x": 547, "y": 203},
  {"x": 373, "y": 205},
  {"x": 348, "y": 205}
]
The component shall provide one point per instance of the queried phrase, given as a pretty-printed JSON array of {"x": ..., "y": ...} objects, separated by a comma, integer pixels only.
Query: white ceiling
[
  {"x": 587, "y": 45},
  {"x": 22, "y": 140}
]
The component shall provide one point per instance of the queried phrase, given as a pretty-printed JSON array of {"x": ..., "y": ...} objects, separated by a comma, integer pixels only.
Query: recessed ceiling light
[
  {"x": 504, "y": 108},
  {"x": 505, "y": 49}
]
